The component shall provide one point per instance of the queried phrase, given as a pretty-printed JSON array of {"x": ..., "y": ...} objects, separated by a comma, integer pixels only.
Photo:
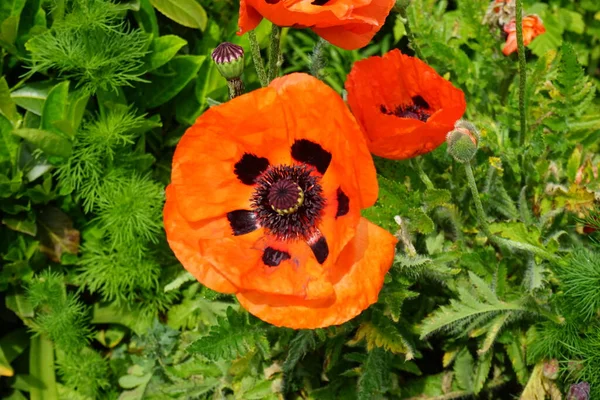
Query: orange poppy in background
[
  {"x": 349, "y": 24},
  {"x": 532, "y": 28},
  {"x": 265, "y": 203},
  {"x": 404, "y": 107}
]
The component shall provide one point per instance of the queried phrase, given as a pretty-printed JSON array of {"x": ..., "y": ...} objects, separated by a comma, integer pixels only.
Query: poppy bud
[
  {"x": 229, "y": 59},
  {"x": 463, "y": 141},
  {"x": 550, "y": 369},
  {"x": 579, "y": 391}
]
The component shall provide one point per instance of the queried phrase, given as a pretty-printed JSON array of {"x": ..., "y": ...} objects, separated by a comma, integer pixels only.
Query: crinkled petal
[{"x": 357, "y": 279}]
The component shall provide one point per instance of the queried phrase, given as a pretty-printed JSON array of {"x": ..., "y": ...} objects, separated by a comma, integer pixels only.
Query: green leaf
[
  {"x": 234, "y": 336},
  {"x": 32, "y": 96},
  {"x": 11, "y": 346},
  {"x": 20, "y": 305},
  {"x": 374, "y": 379},
  {"x": 185, "y": 12},
  {"x": 436, "y": 197},
  {"x": 420, "y": 221},
  {"x": 302, "y": 343},
  {"x": 574, "y": 163},
  {"x": 162, "y": 50},
  {"x": 182, "y": 69},
  {"x": 24, "y": 225},
  {"x": 482, "y": 370},
  {"x": 78, "y": 101},
  {"x": 516, "y": 353},
  {"x": 9, "y": 145},
  {"x": 55, "y": 112},
  {"x": 10, "y": 11},
  {"x": 51, "y": 143},
  {"x": 146, "y": 18},
  {"x": 7, "y": 104},
  {"x": 463, "y": 369},
  {"x": 41, "y": 367}
]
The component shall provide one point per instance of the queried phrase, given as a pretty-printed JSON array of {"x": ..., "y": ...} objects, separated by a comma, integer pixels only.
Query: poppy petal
[
  {"x": 349, "y": 24},
  {"x": 404, "y": 106},
  {"x": 357, "y": 279},
  {"x": 183, "y": 240}
]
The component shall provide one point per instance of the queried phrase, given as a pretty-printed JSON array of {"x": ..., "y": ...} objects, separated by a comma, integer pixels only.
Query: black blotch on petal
[
  {"x": 311, "y": 153},
  {"x": 273, "y": 257},
  {"x": 420, "y": 102},
  {"x": 319, "y": 2},
  {"x": 320, "y": 250},
  {"x": 242, "y": 222},
  {"x": 249, "y": 168},
  {"x": 343, "y": 203}
]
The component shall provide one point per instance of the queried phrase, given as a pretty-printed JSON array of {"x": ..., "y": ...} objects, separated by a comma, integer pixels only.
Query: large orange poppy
[
  {"x": 532, "y": 28},
  {"x": 404, "y": 107},
  {"x": 265, "y": 203},
  {"x": 349, "y": 24}
]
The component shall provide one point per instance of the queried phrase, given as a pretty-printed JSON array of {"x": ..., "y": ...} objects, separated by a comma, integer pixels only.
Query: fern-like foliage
[
  {"x": 580, "y": 278},
  {"x": 472, "y": 309},
  {"x": 375, "y": 377},
  {"x": 233, "y": 336},
  {"x": 91, "y": 45},
  {"x": 85, "y": 372},
  {"x": 381, "y": 332},
  {"x": 58, "y": 315}
]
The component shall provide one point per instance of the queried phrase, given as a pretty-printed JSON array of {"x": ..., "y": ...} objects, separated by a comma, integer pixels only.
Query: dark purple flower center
[
  {"x": 285, "y": 196},
  {"x": 419, "y": 110}
]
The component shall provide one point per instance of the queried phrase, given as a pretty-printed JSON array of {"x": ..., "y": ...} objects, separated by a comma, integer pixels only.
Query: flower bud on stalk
[
  {"x": 229, "y": 59},
  {"x": 579, "y": 391},
  {"x": 551, "y": 369},
  {"x": 463, "y": 141}
]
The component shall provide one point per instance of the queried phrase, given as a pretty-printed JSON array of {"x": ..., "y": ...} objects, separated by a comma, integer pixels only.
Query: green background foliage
[{"x": 94, "y": 96}]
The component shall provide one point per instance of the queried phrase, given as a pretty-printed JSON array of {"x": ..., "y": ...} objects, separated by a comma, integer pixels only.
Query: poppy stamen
[
  {"x": 288, "y": 201},
  {"x": 419, "y": 110},
  {"x": 285, "y": 197}
]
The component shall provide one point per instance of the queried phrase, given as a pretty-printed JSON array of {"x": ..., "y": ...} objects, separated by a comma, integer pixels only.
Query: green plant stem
[
  {"x": 422, "y": 174},
  {"x": 409, "y": 32},
  {"x": 274, "y": 53},
  {"x": 236, "y": 87},
  {"x": 257, "y": 59},
  {"x": 522, "y": 72},
  {"x": 482, "y": 217}
]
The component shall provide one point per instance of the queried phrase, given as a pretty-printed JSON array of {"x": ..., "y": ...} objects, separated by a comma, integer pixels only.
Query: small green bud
[
  {"x": 229, "y": 59},
  {"x": 463, "y": 141},
  {"x": 551, "y": 369}
]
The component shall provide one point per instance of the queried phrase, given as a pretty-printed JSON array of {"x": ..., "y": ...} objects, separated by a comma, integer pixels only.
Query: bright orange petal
[
  {"x": 183, "y": 239},
  {"x": 357, "y": 277}
]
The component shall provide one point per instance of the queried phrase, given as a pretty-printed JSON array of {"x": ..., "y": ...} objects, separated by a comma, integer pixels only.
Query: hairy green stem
[
  {"x": 274, "y": 52},
  {"x": 409, "y": 32},
  {"x": 482, "y": 217},
  {"x": 422, "y": 174},
  {"x": 257, "y": 59},
  {"x": 522, "y": 72},
  {"x": 236, "y": 87}
]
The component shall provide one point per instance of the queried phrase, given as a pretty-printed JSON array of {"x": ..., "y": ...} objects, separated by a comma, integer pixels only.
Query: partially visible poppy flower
[
  {"x": 500, "y": 12},
  {"x": 532, "y": 28},
  {"x": 404, "y": 106},
  {"x": 349, "y": 24},
  {"x": 265, "y": 203}
]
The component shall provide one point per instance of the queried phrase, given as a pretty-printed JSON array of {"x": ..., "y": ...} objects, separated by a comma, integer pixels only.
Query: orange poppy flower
[
  {"x": 532, "y": 28},
  {"x": 265, "y": 203},
  {"x": 349, "y": 24},
  {"x": 404, "y": 107}
]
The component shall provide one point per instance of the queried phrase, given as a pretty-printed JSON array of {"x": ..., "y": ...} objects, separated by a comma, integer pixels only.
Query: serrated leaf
[
  {"x": 482, "y": 370},
  {"x": 516, "y": 354},
  {"x": 436, "y": 197},
  {"x": 185, "y": 12},
  {"x": 381, "y": 332},
  {"x": 374, "y": 379},
  {"x": 302, "y": 343},
  {"x": 233, "y": 337},
  {"x": 420, "y": 221},
  {"x": 463, "y": 369}
]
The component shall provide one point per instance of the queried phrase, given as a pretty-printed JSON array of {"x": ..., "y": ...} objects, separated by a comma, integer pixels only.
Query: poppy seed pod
[
  {"x": 463, "y": 141},
  {"x": 229, "y": 59}
]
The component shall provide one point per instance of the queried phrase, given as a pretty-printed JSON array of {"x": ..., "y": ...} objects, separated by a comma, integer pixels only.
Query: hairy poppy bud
[
  {"x": 579, "y": 391},
  {"x": 550, "y": 369},
  {"x": 463, "y": 141},
  {"x": 229, "y": 59}
]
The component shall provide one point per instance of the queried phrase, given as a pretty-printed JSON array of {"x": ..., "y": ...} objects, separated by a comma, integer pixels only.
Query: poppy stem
[
  {"x": 274, "y": 52},
  {"x": 422, "y": 174},
  {"x": 236, "y": 87},
  {"x": 507, "y": 243},
  {"x": 522, "y": 71},
  {"x": 257, "y": 58},
  {"x": 411, "y": 36}
]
